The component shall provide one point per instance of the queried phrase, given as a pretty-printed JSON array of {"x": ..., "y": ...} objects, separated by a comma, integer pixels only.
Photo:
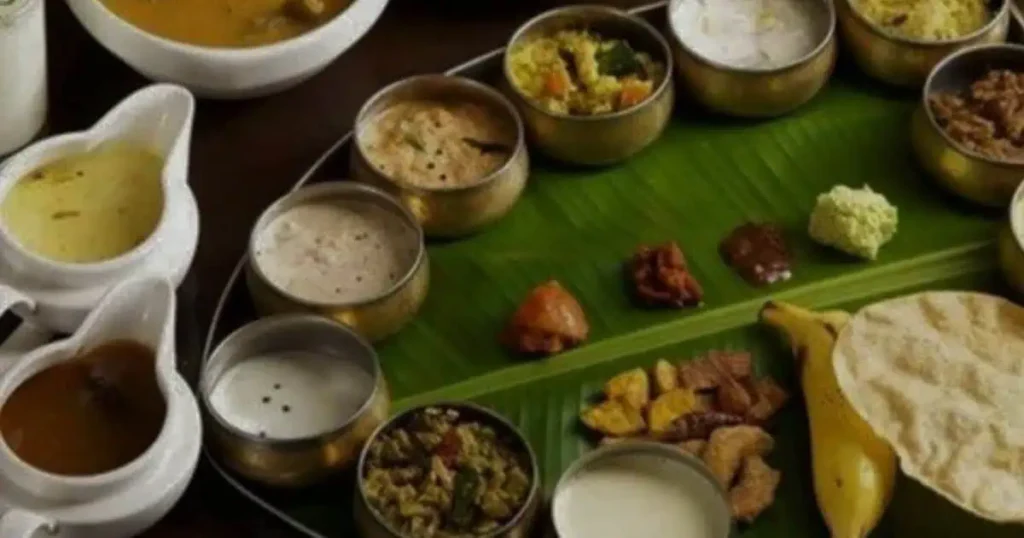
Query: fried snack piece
[
  {"x": 632, "y": 387},
  {"x": 548, "y": 321},
  {"x": 732, "y": 397},
  {"x": 670, "y": 406},
  {"x": 666, "y": 377},
  {"x": 755, "y": 490},
  {"x": 615, "y": 418},
  {"x": 706, "y": 373},
  {"x": 728, "y": 447},
  {"x": 769, "y": 398},
  {"x": 698, "y": 425},
  {"x": 660, "y": 277},
  {"x": 694, "y": 446}
]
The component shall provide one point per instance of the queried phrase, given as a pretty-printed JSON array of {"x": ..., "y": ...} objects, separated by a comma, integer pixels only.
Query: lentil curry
[
  {"x": 443, "y": 475},
  {"x": 227, "y": 23}
]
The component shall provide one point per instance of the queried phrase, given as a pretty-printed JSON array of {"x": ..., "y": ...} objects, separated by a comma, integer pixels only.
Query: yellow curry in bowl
[{"x": 227, "y": 23}]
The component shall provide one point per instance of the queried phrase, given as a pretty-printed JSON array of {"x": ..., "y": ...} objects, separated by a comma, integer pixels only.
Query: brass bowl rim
[
  {"x": 487, "y": 92},
  {"x": 1004, "y": 8},
  {"x": 926, "y": 91},
  {"x": 335, "y": 189},
  {"x": 823, "y": 44},
  {"x": 495, "y": 418},
  {"x": 1016, "y": 215},
  {"x": 263, "y": 325},
  {"x": 602, "y": 13},
  {"x": 643, "y": 447}
]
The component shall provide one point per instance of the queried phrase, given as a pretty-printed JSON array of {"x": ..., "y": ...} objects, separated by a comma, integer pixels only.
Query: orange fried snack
[
  {"x": 728, "y": 447},
  {"x": 548, "y": 321},
  {"x": 755, "y": 490}
]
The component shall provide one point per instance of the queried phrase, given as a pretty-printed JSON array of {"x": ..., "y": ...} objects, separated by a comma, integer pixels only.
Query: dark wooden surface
[{"x": 246, "y": 153}]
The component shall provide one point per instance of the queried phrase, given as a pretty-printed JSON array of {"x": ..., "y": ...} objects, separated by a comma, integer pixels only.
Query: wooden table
[{"x": 247, "y": 153}]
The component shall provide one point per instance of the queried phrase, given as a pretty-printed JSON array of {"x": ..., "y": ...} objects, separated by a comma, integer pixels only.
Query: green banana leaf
[{"x": 705, "y": 176}]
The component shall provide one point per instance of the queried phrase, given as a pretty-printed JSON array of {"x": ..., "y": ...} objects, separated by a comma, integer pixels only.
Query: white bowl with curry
[{"x": 228, "y": 49}]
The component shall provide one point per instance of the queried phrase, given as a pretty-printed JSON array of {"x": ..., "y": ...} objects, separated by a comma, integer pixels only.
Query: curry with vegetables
[
  {"x": 227, "y": 23},
  {"x": 441, "y": 474}
]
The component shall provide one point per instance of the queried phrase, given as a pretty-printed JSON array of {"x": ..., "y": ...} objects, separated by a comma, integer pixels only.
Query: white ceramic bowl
[{"x": 229, "y": 73}]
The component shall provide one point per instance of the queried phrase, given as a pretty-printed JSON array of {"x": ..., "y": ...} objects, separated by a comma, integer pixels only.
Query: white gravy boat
[
  {"x": 58, "y": 295},
  {"x": 127, "y": 500}
]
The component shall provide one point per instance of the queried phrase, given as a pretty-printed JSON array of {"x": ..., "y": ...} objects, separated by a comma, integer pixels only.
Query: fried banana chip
[
  {"x": 755, "y": 490},
  {"x": 728, "y": 447},
  {"x": 670, "y": 406},
  {"x": 614, "y": 418},
  {"x": 666, "y": 377},
  {"x": 632, "y": 387}
]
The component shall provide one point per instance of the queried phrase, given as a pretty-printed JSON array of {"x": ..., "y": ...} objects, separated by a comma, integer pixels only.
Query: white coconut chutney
[
  {"x": 751, "y": 34},
  {"x": 337, "y": 251},
  {"x": 636, "y": 494},
  {"x": 291, "y": 395}
]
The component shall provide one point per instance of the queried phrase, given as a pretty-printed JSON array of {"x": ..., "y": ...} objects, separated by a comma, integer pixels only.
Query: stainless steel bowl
[
  {"x": 705, "y": 485},
  {"x": 456, "y": 211},
  {"x": 293, "y": 462},
  {"x": 605, "y": 138},
  {"x": 1011, "y": 243},
  {"x": 906, "y": 62},
  {"x": 375, "y": 318},
  {"x": 977, "y": 178},
  {"x": 371, "y": 525},
  {"x": 756, "y": 92}
]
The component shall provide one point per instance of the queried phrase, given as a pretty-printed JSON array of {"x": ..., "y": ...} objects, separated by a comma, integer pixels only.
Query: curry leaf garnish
[
  {"x": 618, "y": 60},
  {"x": 463, "y": 497}
]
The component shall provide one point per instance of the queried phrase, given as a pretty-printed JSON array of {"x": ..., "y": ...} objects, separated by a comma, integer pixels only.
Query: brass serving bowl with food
[
  {"x": 967, "y": 132},
  {"x": 753, "y": 59},
  {"x": 1011, "y": 243},
  {"x": 591, "y": 82},
  {"x": 343, "y": 250},
  {"x": 900, "y": 42},
  {"x": 291, "y": 400},
  {"x": 447, "y": 470},
  {"x": 451, "y": 149}
]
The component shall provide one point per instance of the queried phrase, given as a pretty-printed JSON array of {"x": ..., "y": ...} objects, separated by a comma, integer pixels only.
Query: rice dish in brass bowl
[
  {"x": 753, "y": 59},
  {"x": 962, "y": 132},
  {"x": 899, "y": 43},
  {"x": 591, "y": 82}
]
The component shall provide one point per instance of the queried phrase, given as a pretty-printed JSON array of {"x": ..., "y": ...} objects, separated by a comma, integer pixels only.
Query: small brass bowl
[
  {"x": 370, "y": 524},
  {"x": 455, "y": 211},
  {"x": 1011, "y": 243},
  {"x": 903, "y": 61},
  {"x": 375, "y": 318},
  {"x": 600, "y": 139},
  {"x": 752, "y": 92},
  {"x": 977, "y": 178},
  {"x": 302, "y": 461}
]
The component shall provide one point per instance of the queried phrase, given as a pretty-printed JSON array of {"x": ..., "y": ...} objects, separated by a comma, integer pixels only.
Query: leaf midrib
[{"x": 920, "y": 270}]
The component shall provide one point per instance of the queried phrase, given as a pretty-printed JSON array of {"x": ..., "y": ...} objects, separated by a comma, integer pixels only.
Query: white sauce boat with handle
[
  {"x": 58, "y": 295},
  {"x": 127, "y": 500}
]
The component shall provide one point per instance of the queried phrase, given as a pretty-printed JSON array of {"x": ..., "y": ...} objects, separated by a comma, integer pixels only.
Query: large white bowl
[{"x": 223, "y": 73}]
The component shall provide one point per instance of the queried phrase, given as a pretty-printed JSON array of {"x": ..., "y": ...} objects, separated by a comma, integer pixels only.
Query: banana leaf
[{"x": 705, "y": 176}]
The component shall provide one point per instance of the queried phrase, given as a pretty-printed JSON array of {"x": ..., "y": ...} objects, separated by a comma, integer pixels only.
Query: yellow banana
[{"x": 854, "y": 470}]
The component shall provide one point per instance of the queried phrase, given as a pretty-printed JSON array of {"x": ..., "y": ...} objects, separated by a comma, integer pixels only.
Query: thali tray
[{"x": 706, "y": 175}]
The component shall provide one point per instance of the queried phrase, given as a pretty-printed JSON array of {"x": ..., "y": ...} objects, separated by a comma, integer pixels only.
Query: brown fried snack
[
  {"x": 706, "y": 373},
  {"x": 732, "y": 397},
  {"x": 755, "y": 490},
  {"x": 728, "y": 447},
  {"x": 769, "y": 398},
  {"x": 548, "y": 321},
  {"x": 694, "y": 446},
  {"x": 660, "y": 277},
  {"x": 988, "y": 118},
  {"x": 698, "y": 426}
]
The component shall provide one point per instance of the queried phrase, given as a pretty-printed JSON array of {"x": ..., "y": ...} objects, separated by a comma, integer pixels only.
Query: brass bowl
[
  {"x": 293, "y": 462},
  {"x": 903, "y": 61},
  {"x": 1011, "y": 243},
  {"x": 604, "y": 138},
  {"x": 456, "y": 211},
  {"x": 751, "y": 92},
  {"x": 375, "y": 318},
  {"x": 978, "y": 178},
  {"x": 371, "y": 525}
]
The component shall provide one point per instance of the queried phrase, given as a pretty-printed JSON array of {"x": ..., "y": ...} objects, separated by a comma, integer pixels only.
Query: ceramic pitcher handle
[
  {"x": 10, "y": 297},
  {"x": 22, "y": 524}
]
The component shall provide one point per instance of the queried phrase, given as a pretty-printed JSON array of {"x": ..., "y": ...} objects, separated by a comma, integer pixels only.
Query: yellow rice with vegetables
[
  {"x": 926, "y": 19},
  {"x": 580, "y": 73}
]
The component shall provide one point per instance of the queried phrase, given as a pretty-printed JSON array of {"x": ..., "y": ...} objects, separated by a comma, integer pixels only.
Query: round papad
[{"x": 940, "y": 376}]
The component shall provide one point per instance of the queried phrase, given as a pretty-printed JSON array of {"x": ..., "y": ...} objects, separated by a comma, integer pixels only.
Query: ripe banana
[{"x": 854, "y": 470}]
